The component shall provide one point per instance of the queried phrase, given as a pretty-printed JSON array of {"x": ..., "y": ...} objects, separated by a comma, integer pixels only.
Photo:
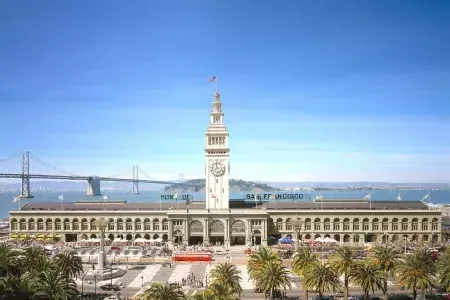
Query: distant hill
[{"x": 237, "y": 185}]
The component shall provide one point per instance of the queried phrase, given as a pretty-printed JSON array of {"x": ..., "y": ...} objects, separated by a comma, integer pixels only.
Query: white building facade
[{"x": 217, "y": 220}]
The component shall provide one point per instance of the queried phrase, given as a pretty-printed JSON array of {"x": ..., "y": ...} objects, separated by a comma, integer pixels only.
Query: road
[{"x": 248, "y": 294}]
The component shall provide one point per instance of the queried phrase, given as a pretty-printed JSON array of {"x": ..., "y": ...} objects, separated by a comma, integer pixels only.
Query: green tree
[
  {"x": 322, "y": 278},
  {"x": 443, "y": 270},
  {"x": 220, "y": 291},
  {"x": 303, "y": 259},
  {"x": 343, "y": 262},
  {"x": 257, "y": 261},
  {"x": 159, "y": 291},
  {"x": 273, "y": 276},
  {"x": 228, "y": 275},
  {"x": 54, "y": 285},
  {"x": 369, "y": 277},
  {"x": 416, "y": 271},
  {"x": 386, "y": 258},
  {"x": 69, "y": 263}
]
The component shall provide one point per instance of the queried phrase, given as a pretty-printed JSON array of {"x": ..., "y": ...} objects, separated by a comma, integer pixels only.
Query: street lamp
[
  {"x": 101, "y": 224},
  {"x": 297, "y": 228}
]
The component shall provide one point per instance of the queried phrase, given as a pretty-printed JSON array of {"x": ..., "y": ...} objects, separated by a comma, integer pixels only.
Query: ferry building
[{"x": 219, "y": 219}]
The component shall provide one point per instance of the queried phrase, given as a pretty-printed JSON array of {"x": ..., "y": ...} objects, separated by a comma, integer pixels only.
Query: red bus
[{"x": 192, "y": 256}]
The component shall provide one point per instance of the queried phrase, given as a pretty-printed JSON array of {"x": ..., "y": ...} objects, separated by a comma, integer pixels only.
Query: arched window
[
  {"x": 120, "y": 224},
  {"x": 415, "y": 226},
  {"x": 336, "y": 224},
  {"x": 137, "y": 224},
  {"x": 385, "y": 224},
  {"x": 165, "y": 225},
  {"x": 288, "y": 224},
  {"x": 66, "y": 224},
  {"x": 147, "y": 224},
  {"x": 425, "y": 225},
  {"x": 395, "y": 224},
  {"x": 155, "y": 224},
  {"x": 31, "y": 224},
  {"x": 327, "y": 224},
  {"x": 356, "y": 224},
  {"x": 347, "y": 227},
  {"x": 317, "y": 224},
  {"x": 375, "y": 224},
  {"x": 129, "y": 225},
  {"x": 48, "y": 224},
  {"x": 111, "y": 224},
  {"x": 75, "y": 224}
]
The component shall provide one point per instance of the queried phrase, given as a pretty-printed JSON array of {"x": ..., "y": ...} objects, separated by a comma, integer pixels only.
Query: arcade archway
[
  {"x": 238, "y": 233},
  {"x": 217, "y": 231},
  {"x": 195, "y": 233}
]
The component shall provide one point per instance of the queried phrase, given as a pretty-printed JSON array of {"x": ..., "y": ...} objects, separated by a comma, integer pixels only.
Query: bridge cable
[
  {"x": 49, "y": 165},
  {"x": 146, "y": 175},
  {"x": 11, "y": 157}
]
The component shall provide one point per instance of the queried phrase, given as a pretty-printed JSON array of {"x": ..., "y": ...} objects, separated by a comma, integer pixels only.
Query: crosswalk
[
  {"x": 145, "y": 276},
  {"x": 175, "y": 274},
  {"x": 180, "y": 272}
]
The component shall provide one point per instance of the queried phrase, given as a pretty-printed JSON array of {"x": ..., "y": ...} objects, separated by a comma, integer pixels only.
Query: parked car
[{"x": 110, "y": 287}]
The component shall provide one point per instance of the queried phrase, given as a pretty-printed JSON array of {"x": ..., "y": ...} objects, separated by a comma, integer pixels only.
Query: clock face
[{"x": 217, "y": 168}]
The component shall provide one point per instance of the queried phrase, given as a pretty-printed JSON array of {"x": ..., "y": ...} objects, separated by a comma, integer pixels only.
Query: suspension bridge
[{"x": 93, "y": 182}]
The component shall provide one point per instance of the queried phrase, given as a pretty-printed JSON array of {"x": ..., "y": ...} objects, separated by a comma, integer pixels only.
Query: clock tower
[{"x": 217, "y": 164}]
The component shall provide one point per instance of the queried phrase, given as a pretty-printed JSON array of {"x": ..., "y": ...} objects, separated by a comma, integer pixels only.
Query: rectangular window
[
  {"x": 307, "y": 226},
  {"x": 76, "y": 226},
  {"x": 394, "y": 227},
  {"x": 111, "y": 226},
  {"x": 355, "y": 227},
  {"x": 58, "y": 226},
  {"x": 326, "y": 227}
]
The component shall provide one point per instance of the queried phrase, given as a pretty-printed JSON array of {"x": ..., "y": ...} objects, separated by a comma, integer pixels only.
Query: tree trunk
[
  {"x": 385, "y": 291},
  {"x": 414, "y": 293},
  {"x": 366, "y": 295},
  {"x": 306, "y": 292},
  {"x": 346, "y": 287}
]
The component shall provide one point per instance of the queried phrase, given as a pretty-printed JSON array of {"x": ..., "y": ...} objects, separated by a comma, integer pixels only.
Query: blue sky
[{"x": 312, "y": 90}]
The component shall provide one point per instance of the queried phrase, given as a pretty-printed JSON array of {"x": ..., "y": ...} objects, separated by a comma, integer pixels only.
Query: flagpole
[{"x": 217, "y": 84}]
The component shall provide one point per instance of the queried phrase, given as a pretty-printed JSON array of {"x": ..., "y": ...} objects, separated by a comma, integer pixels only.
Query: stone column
[
  {"x": 227, "y": 233},
  {"x": 186, "y": 232},
  {"x": 205, "y": 231},
  {"x": 170, "y": 233},
  {"x": 264, "y": 233},
  {"x": 248, "y": 232}
]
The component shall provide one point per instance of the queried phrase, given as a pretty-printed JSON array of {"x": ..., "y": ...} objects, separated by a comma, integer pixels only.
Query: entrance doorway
[
  {"x": 177, "y": 237},
  {"x": 238, "y": 240},
  {"x": 256, "y": 238},
  {"x": 217, "y": 240},
  {"x": 70, "y": 237},
  {"x": 195, "y": 240}
]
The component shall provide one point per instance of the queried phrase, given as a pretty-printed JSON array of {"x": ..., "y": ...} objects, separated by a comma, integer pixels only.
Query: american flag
[{"x": 212, "y": 79}]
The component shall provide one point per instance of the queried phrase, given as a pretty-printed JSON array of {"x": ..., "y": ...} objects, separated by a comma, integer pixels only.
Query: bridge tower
[
  {"x": 25, "y": 190},
  {"x": 136, "y": 180}
]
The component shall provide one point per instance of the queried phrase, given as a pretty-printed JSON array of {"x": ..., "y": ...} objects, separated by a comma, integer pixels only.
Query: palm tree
[
  {"x": 69, "y": 263},
  {"x": 386, "y": 259},
  {"x": 443, "y": 270},
  {"x": 273, "y": 276},
  {"x": 54, "y": 285},
  {"x": 258, "y": 260},
  {"x": 416, "y": 271},
  {"x": 219, "y": 291},
  {"x": 369, "y": 277},
  {"x": 321, "y": 277},
  {"x": 303, "y": 259},
  {"x": 35, "y": 259},
  {"x": 9, "y": 261},
  {"x": 343, "y": 262},
  {"x": 227, "y": 274},
  {"x": 159, "y": 291}
]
